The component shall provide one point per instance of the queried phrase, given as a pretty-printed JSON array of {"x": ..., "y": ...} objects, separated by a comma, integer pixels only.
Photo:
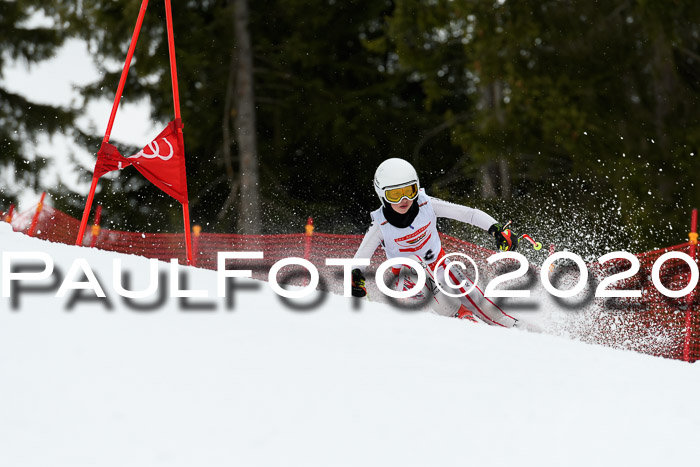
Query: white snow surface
[{"x": 336, "y": 385}]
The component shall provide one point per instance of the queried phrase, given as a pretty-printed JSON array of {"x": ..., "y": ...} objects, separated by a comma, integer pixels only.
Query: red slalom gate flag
[{"x": 162, "y": 161}]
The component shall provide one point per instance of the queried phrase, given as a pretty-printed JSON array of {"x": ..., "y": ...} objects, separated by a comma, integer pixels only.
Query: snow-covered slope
[{"x": 264, "y": 384}]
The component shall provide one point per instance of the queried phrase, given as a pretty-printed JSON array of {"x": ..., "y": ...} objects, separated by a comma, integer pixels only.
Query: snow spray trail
[{"x": 616, "y": 323}]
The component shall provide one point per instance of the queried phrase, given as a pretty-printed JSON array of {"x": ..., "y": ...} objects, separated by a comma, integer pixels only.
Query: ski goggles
[{"x": 395, "y": 195}]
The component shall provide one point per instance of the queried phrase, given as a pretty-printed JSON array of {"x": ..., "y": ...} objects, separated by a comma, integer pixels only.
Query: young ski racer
[{"x": 405, "y": 225}]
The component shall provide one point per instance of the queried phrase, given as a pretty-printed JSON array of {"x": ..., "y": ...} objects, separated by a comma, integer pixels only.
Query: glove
[
  {"x": 505, "y": 239},
  {"x": 358, "y": 284}
]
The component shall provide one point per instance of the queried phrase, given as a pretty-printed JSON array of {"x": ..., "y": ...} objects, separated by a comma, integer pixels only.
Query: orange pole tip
[
  {"x": 196, "y": 230},
  {"x": 309, "y": 229}
]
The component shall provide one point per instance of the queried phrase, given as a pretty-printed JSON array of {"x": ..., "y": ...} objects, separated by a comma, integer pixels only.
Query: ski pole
[{"x": 535, "y": 245}]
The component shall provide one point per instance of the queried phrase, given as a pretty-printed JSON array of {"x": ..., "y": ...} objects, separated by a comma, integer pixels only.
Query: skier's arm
[
  {"x": 373, "y": 238},
  {"x": 462, "y": 213},
  {"x": 505, "y": 239}
]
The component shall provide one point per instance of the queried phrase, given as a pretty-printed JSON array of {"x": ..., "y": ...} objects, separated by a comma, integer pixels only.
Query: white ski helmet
[{"x": 393, "y": 174}]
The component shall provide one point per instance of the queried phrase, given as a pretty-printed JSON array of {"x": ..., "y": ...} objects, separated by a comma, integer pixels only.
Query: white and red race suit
[{"x": 421, "y": 238}]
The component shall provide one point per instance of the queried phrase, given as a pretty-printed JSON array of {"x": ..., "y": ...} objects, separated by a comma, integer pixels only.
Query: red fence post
[
  {"x": 176, "y": 105},
  {"x": 8, "y": 217},
  {"x": 110, "y": 123},
  {"x": 35, "y": 219},
  {"x": 196, "y": 231},
  {"x": 690, "y": 299},
  {"x": 96, "y": 226},
  {"x": 693, "y": 235},
  {"x": 309, "y": 231}
]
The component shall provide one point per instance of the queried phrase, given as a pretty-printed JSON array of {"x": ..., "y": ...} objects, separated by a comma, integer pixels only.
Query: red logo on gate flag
[{"x": 162, "y": 161}]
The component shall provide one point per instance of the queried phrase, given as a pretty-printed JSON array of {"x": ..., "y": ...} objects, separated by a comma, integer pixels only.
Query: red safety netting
[
  {"x": 653, "y": 324},
  {"x": 51, "y": 224}
]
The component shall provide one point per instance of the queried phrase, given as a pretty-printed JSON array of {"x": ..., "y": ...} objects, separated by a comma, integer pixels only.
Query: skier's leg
[
  {"x": 439, "y": 303},
  {"x": 482, "y": 307},
  {"x": 405, "y": 279}
]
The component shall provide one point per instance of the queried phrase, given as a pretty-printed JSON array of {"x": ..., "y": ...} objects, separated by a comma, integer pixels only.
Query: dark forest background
[{"x": 578, "y": 120}]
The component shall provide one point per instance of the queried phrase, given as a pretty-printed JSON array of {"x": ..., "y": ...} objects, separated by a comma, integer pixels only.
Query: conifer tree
[{"x": 22, "y": 119}]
